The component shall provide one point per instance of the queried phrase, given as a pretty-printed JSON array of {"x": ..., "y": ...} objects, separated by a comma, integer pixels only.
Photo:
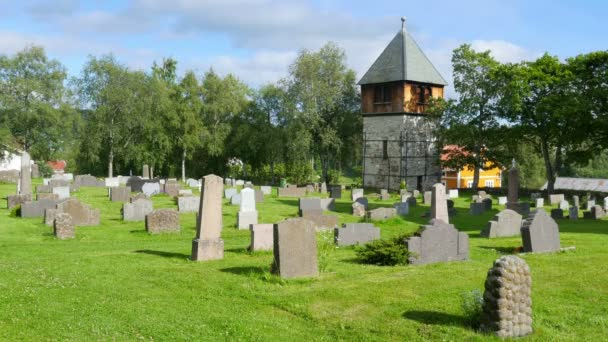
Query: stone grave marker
[
  {"x": 323, "y": 188},
  {"x": 63, "y": 227},
  {"x": 323, "y": 222},
  {"x": 295, "y": 249},
  {"x": 235, "y": 199},
  {"x": 477, "y": 209},
  {"x": 590, "y": 204},
  {"x": 597, "y": 212},
  {"x": 120, "y": 194},
  {"x": 427, "y": 197},
  {"x": 411, "y": 201},
  {"x": 137, "y": 210},
  {"x": 555, "y": 199},
  {"x": 162, "y": 221},
  {"x": 261, "y": 237},
  {"x": 37, "y": 208},
  {"x": 402, "y": 208},
  {"x": 247, "y": 214},
  {"x": 438, "y": 241},
  {"x": 335, "y": 191},
  {"x": 146, "y": 171},
  {"x": 328, "y": 203},
  {"x": 576, "y": 201},
  {"x": 502, "y": 200},
  {"x": 62, "y": 192},
  {"x": 88, "y": 180},
  {"x": 82, "y": 214},
  {"x": 310, "y": 207},
  {"x": 439, "y": 205},
  {"x": 564, "y": 205},
  {"x": 381, "y": 213},
  {"x": 540, "y": 202},
  {"x": 208, "y": 244},
  {"x": 25, "y": 177},
  {"x": 228, "y": 193},
  {"x": 112, "y": 181},
  {"x": 506, "y": 223},
  {"x": 185, "y": 192},
  {"x": 188, "y": 204},
  {"x": 259, "y": 196},
  {"x": 266, "y": 190},
  {"x": 150, "y": 189},
  {"x": 487, "y": 203},
  {"x": 15, "y": 200},
  {"x": 540, "y": 233},
  {"x": 384, "y": 195},
  {"x": 557, "y": 214},
  {"x": 573, "y": 213},
  {"x": 291, "y": 192},
  {"x": 356, "y": 233},
  {"x": 240, "y": 182},
  {"x": 41, "y": 196},
  {"x": 453, "y": 193},
  {"x": 358, "y": 209},
  {"x": 356, "y": 193}
]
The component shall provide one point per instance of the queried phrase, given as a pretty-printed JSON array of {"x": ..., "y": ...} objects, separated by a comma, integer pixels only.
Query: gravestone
[
  {"x": 453, "y": 193},
  {"x": 310, "y": 207},
  {"x": 259, "y": 196},
  {"x": 44, "y": 189},
  {"x": 88, "y": 180},
  {"x": 82, "y": 214},
  {"x": 482, "y": 194},
  {"x": 162, "y": 221},
  {"x": 310, "y": 188},
  {"x": 239, "y": 182},
  {"x": 247, "y": 214},
  {"x": 507, "y": 302},
  {"x": 137, "y": 210},
  {"x": 171, "y": 189},
  {"x": 557, "y": 214},
  {"x": 295, "y": 249},
  {"x": 150, "y": 189},
  {"x": 606, "y": 203},
  {"x": 404, "y": 197},
  {"x": 35, "y": 171},
  {"x": 356, "y": 233},
  {"x": 576, "y": 201},
  {"x": 328, "y": 203},
  {"x": 573, "y": 213},
  {"x": 323, "y": 188},
  {"x": 540, "y": 202},
  {"x": 248, "y": 184},
  {"x": 37, "y": 208},
  {"x": 9, "y": 176},
  {"x": 356, "y": 193},
  {"x": 188, "y": 204},
  {"x": 138, "y": 196},
  {"x": 137, "y": 183},
  {"x": 358, "y": 209},
  {"x": 506, "y": 223},
  {"x": 228, "y": 193},
  {"x": 404, "y": 192},
  {"x": 235, "y": 199},
  {"x": 323, "y": 222},
  {"x": 49, "y": 216},
  {"x": 564, "y": 205},
  {"x": 25, "y": 180},
  {"x": 266, "y": 190},
  {"x": 487, "y": 203},
  {"x": 502, "y": 200},
  {"x": 411, "y": 202},
  {"x": 228, "y": 181},
  {"x": 15, "y": 200},
  {"x": 597, "y": 212},
  {"x": 335, "y": 191},
  {"x": 193, "y": 183},
  {"x": 146, "y": 172},
  {"x": 535, "y": 195},
  {"x": 381, "y": 213},
  {"x": 590, "y": 204},
  {"x": 384, "y": 195},
  {"x": 185, "y": 192},
  {"x": 475, "y": 199},
  {"x": 427, "y": 197},
  {"x": 208, "y": 244},
  {"x": 63, "y": 227},
  {"x": 261, "y": 237},
  {"x": 58, "y": 182},
  {"x": 416, "y": 193},
  {"x": 540, "y": 233},
  {"x": 477, "y": 209},
  {"x": 291, "y": 192},
  {"x": 62, "y": 192},
  {"x": 112, "y": 182},
  {"x": 513, "y": 190},
  {"x": 555, "y": 199},
  {"x": 402, "y": 208},
  {"x": 120, "y": 194},
  {"x": 46, "y": 196},
  {"x": 439, "y": 205},
  {"x": 437, "y": 241}
]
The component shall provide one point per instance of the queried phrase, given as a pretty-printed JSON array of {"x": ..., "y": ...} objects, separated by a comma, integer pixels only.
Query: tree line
[{"x": 111, "y": 119}]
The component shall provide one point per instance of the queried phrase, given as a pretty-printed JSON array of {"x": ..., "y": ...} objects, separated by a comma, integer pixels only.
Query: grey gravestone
[
  {"x": 358, "y": 209},
  {"x": 291, "y": 192},
  {"x": 356, "y": 193},
  {"x": 63, "y": 227},
  {"x": 405, "y": 197},
  {"x": 240, "y": 182},
  {"x": 49, "y": 216},
  {"x": 356, "y": 233},
  {"x": 146, "y": 171},
  {"x": 487, "y": 203},
  {"x": 535, "y": 195},
  {"x": 427, "y": 197},
  {"x": 259, "y": 196},
  {"x": 35, "y": 171},
  {"x": 403, "y": 209},
  {"x": 437, "y": 242},
  {"x": 208, "y": 244},
  {"x": 247, "y": 214},
  {"x": 228, "y": 193},
  {"x": 482, "y": 194},
  {"x": 15, "y": 200},
  {"x": 381, "y": 213},
  {"x": 310, "y": 188},
  {"x": 502, "y": 200},
  {"x": 439, "y": 205},
  {"x": 112, "y": 182},
  {"x": 88, "y": 180},
  {"x": 513, "y": 191},
  {"x": 323, "y": 222},
  {"x": 335, "y": 191},
  {"x": 328, "y": 203},
  {"x": 540, "y": 202},
  {"x": 82, "y": 214},
  {"x": 261, "y": 237},
  {"x": 137, "y": 210},
  {"x": 310, "y": 207},
  {"x": 384, "y": 195},
  {"x": 564, "y": 205},
  {"x": 37, "y": 208},
  {"x": 193, "y": 183},
  {"x": 477, "y": 208},
  {"x": 506, "y": 223},
  {"x": 453, "y": 193},
  {"x": 235, "y": 199},
  {"x": 138, "y": 196},
  {"x": 576, "y": 201},
  {"x": 46, "y": 196},
  {"x": 185, "y": 192},
  {"x": 597, "y": 212},
  {"x": 323, "y": 188},
  {"x": 137, "y": 183},
  {"x": 171, "y": 188},
  {"x": 188, "y": 204},
  {"x": 475, "y": 199},
  {"x": 416, "y": 193},
  {"x": 266, "y": 190},
  {"x": 150, "y": 189},
  {"x": 120, "y": 194},
  {"x": 62, "y": 192},
  {"x": 573, "y": 213},
  {"x": 58, "y": 182},
  {"x": 44, "y": 189},
  {"x": 507, "y": 302},
  {"x": 295, "y": 249},
  {"x": 363, "y": 200},
  {"x": 590, "y": 204},
  {"x": 411, "y": 201},
  {"x": 540, "y": 233},
  {"x": 555, "y": 199},
  {"x": 25, "y": 180},
  {"x": 162, "y": 221}
]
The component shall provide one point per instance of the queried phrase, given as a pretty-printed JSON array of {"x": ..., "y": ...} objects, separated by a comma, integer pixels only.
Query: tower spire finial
[{"x": 403, "y": 19}]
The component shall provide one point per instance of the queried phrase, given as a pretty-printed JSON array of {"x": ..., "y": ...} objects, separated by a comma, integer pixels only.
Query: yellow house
[{"x": 463, "y": 178}]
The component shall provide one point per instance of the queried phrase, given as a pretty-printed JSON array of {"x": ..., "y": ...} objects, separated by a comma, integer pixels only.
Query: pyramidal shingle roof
[{"x": 402, "y": 60}]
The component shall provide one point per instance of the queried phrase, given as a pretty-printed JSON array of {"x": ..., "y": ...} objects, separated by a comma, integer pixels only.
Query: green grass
[{"x": 116, "y": 282}]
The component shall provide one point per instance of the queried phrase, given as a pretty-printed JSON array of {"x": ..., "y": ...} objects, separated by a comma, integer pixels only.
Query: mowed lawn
[{"x": 116, "y": 282}]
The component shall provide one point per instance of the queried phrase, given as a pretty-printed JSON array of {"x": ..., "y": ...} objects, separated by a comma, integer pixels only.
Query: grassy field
[{"x": 116, "y": 282}]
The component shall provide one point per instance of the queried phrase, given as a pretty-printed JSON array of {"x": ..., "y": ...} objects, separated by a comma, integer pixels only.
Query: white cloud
[{"x": 503, "y": 51}]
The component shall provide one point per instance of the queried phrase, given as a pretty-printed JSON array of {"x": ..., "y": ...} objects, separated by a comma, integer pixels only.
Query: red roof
[
  {"x": 57, "y": 165},
  {"x": 451, "y": 151}
]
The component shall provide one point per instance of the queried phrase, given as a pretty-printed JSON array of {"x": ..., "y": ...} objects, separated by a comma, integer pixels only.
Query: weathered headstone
[
  {"x": 37, "y": 208},
  {"x": 356, "y": 193},
  {"x": 162, "y": 221},
  {"x": 208, "y": 244},
  {"x": 427, "y": 197},
  {"x": 137, "y": 210},
  {"x": 295, "y": 249},
  {"x": 437, "y": 242},
  {"x": 247, "y": 214},
  {"x": 150, "y": 189},
  {"x": 259, "y": 196},
  {"x": 597, "y": 212},
  {"x": 240, "y": 182},
  {"x": 62, "y": 192},
  {"x": 513, "y": 191},
  {"x": 576, "y": 201},
  {"x": 606, "y": 203},
  {"x": 185, "y": 192},
  {"x": 439, "y": 205},
  {"x": 475, "y": 199},
  {"x": 323, "y": 222},
  {"x": 44, "y": 189},
  {"x": 335, "y": 191},
  {"x": 266, "y": 190},
  {"x": 171, "y": 189},
  {"x": 35, "y": 171},
  {"x": 453, "y": 193},
  {"x": 310, "y": 207},
  {"x": 46, "y": 196},
  {"x": 411, "y": 201},
  {"x": 146, "y": 172},
  {"x": 261, "y": 237},
  {"x": 506, "y": 223},
  {"x": 88, "y": 180},
  {"x": 356, "y": 233},
  {"x": 188, "y": 204},
  {"x": 381, "y": 213},
  {"x": 49, "y": 216},
  {"x": 291, "y": 192},
  {"x": 193, "y": 183},
  {"x": 112, "y": 182},
  {"x": 82, "y": 214},
  {"x": 25, "y": 180},
  {"x": 564, "y": 205},
  {"x": 573, "y": 213},
  {"x": 507, "y": 302},
  {"x": 477, "y": 208},
  {"x": 555, "y": 199},
  {"x": 328, "y": 203},
  {"x": 403, "y": 209},
  {"x": 138, "y": 196},
  {"x": 358, "y": 209},
  {"x": 482, "y": 194},
  {"x": 63, "y": 227},
  {"x": 15, "y": 200},
  {"x": 540, "y": 233},
  {"x": 323, "y": 188},
  {"x": 384, "y": 195},
  {"x": 228, "y": 193},
  {"x": 590, "y": 204},
  {"x": 120, "y": 194},
  {"x": 540, "y": 202},
  {"x": 416, "y": 193},
  {"x": 502, "y": 200},
  {"x": 487, "y": 203},
  {"x": 535, "y": 195}
]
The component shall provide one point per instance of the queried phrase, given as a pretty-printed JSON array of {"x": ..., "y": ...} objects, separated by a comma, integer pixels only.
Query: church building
[{"x": 398, "y": 135}]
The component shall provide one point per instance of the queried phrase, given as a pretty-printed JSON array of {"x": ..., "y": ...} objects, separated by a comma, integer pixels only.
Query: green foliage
[
  {"x": 402, "y": 185},
  {"x": 471, "y": 305},
  {"x": 45, "y": 170},
  {"x": 15, "y": 211},
  {"x": 384, "y": 252},
  {"x": 326, "y": 248}
]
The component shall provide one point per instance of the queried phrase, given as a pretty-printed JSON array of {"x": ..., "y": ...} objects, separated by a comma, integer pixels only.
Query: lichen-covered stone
[
  {"x": 63, "y": 226},
  {"x": 162, "y": 221},
  {"x": 507, "y": 305}
]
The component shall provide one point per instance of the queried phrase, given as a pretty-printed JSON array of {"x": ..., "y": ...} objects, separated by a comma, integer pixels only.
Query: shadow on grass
[
  {"x": 245, "y": 270},
  {"x": 435, "y": 318},
  {"x": 239, "y": 250},
  {"x": 502, "y": 250},
  {"x": 164, "y": 254}
]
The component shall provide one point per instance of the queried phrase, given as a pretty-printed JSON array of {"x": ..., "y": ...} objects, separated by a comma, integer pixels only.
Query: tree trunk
[
  {"x": 549, "y": 172},
  {"x": 272, "y": 172},
  {"x": 184, "y": 166},
  {"x": 111, "y": 163},
  {"x": 477, "y": 170}
]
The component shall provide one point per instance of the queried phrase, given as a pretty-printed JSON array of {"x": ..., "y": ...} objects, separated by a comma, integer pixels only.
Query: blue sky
[{"x": 258, "y": 39}]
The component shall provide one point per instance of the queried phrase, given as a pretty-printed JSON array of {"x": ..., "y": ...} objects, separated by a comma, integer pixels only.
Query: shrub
[
  {"x": 472, "y": 302},
  {"x": 402, "y": 185},
  {"x": 45, "y": 170},
  {"x": 388, "y": 252},
  {"x": 15, "y": 211}
]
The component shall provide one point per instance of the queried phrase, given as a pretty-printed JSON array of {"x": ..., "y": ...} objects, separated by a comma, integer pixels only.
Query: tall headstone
[
  {"x": 439, "y": 204},
  {"x": 513, "y": 193},
  {"x": 428, "y": 195},
  {"x": 540, "y": 202},
  {"x": 323, "y": 188},
  {"x": 540, "y": 233},
  {"x": 247, "y": 214},
  {"x": 25, "y": 187},
  {"x": 208, "y": 244},
  {"x": 507, "y": 302},
  {"x": 295, "y": 249},
  {"x": 146, "y": 172},
  {"x": 576, "y": 201},
  {"x": 573, "y": 213}
]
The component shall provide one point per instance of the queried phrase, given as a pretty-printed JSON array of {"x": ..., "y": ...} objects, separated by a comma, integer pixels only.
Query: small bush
[
  {"x": 388, "y": 252},
  {"x": 472, "y": 302},
  {"x": 402, "y": 185},
  {"x": 325, "y": 249},
  {"x": 45, "y": 170},
  {"x": 15, "y": 211}
]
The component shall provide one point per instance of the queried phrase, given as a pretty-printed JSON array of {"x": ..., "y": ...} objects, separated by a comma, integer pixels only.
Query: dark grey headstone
[
  {"x": 437, "y": 242},
  {"x": 573, "y": 213},
  {"x": 310, "y": 207},
  {"x": 505, "y": 223},
  {"x": 403, "y": 209},
  {"x": 356, "y": 233},
  {"x": 487, "y": 203},
  {"x": 295, "y": 249},
  {"x": 540, "y": 233},
  {"x": 477, "y": 208},
  {"x": 335, "y": 191},
  {"x": 557, "y": 214}
]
